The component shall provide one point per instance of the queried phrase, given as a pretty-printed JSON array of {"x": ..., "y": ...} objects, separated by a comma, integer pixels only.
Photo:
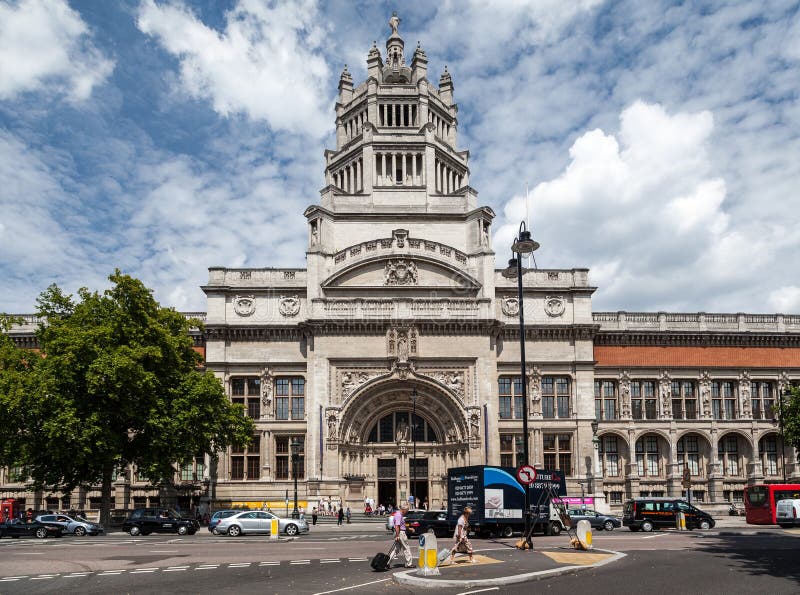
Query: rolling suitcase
[{"x": 380, "y": 562}]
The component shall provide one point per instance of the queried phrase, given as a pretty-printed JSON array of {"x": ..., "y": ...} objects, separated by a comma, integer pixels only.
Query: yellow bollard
[
  {"x": 428, "y": 562},
  {"x": 584, "y": 534},
  {"x": 274, "y": 530}
]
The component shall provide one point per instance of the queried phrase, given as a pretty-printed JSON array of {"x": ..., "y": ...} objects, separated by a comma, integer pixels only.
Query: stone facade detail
[
  {"x": 534, "y": 379},
  {"x": 400, "y": 272},
  {"x": 289, "y": 306},
  {"x": 510, "y": 306},
  {"x": 554, "y": 306},
  {"x": 244, "y": 305}
]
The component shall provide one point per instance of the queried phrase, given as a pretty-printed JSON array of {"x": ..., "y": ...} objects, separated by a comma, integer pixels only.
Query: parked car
[
  {"x": 18, "y": 528},
  {"x": 76, "y": 525},
  {"x": 259, "y": 521},
  {"x": 430, "y": 521},
  {"x": 599, "y": 521},
  {"x": 158, "y": 520},
  {"x": 218, "y": 516},
  {"x": 647, "y": 514},
  {"x": 787, "y": 513},
  {"x": 410, "y": 517}
]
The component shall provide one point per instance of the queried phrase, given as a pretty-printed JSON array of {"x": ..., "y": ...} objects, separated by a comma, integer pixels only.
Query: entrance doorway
[
  {"x": 387, "y": 481},
  {"x": 418, "y": 480}
]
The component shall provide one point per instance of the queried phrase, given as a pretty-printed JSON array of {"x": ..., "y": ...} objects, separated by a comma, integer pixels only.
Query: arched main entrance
[{"x": 383, "y": 424}]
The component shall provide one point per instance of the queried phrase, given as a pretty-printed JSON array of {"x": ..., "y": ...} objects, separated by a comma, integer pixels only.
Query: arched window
[
  {"x": 689, "y": 453},
  {"x": 396, "y": 426},
  {"x": 768, "y": 447},
  {"x": 609, "y": 455},
  {"x": 728, "y": 454},
  {"x": 648, "y": 456}
]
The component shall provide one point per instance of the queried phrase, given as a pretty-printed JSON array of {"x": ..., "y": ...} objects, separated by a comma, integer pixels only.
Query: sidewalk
[{"x": 507, "y": 565}]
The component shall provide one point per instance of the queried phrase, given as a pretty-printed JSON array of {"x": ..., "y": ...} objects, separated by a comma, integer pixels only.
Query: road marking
[
  {"x": 480, "y": 591},
  {"x": 652, "y": 536},
  {"x": 354, "y": 587},
  {"x": 111, "y": 573},
  {"x": 142, "y": 571},
  {"x": 356, "y": 559},
  {"x": 239, "y": 565},
  {"x": 300, "y": 562},
  {"x": 163, "y": 551},
  {"x": 329, "y": 560},
  {"x": 175, "y": 569},
  {"x": 43, "y": 577},
  {"x": 29, "y": 553},
  {"x": 76, "y": 574}
]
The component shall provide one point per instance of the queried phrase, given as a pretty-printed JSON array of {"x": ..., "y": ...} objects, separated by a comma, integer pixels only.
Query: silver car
[
  {"x": 259, "y": 521},
  {"x": 75, "y": 525}
]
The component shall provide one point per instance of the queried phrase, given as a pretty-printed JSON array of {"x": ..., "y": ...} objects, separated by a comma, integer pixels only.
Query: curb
[{"x": 406, "y": 578}]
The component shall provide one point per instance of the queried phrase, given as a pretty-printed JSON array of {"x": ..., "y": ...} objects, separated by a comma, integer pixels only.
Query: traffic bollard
[
  {"x": 274, "y": 530},
  {"x": 584, "y": 533},
  {"x": 427, "y": 564}
]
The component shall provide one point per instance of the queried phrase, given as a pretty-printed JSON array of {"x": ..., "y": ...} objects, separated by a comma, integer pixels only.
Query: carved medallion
[
  {"x": 244, "y": 305},
  {"x": 554, "y": 305},
  {"x": 289, "y": 306},
  {"x": 400, "y": 272},
  {"x": 510, "y": 306}
]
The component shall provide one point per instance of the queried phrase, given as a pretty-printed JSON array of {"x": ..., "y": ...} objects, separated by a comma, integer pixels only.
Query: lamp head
[
  {"x": 524, "y": 244},
  {"x": 512, "y": 270},
  {"x": 594, "y": 427}
]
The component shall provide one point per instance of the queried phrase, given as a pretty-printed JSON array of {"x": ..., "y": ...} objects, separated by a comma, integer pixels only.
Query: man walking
[{"x": 398, "y": 523}]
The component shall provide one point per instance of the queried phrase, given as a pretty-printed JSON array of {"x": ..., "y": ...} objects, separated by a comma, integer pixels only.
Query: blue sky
[{"x": 660, "y": 140}]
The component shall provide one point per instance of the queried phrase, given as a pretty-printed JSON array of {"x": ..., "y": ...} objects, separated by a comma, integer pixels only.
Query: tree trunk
[{"x": 105, "y": 497}]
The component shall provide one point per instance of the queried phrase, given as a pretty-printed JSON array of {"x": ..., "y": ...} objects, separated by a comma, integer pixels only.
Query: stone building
[{"x": 402, "y": 336}]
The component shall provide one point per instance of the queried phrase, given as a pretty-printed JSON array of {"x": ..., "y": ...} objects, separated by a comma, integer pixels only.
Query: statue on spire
[{"x": 394, "y": 22}]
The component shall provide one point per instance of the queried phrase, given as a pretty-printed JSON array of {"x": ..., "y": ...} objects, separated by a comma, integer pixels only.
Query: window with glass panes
[
  {"x": 555, "y": 396},
  {"x": 390, "y": 426},
  {"x": 763, "y": 400},
  {"x": 643, "y": 399},
  {"x": 723, "y": 400},
  {"x": 616, "y": 497},
  {"x": 511, "y": 450},
  {"x": 768, "y": 447},
  {"x": 648, "y": 457},
  {"x": 689, "y": 453},
  {"x": 193, "y": 470},
  {"x": 290, "y": 400},
  {"x": 558, "y": 452},
  {"x": 246, "y": 391},
  {"x": 283, "y": 457},
  {"x": 605, "y": 399},
  {"x": 510, "y": 394},
  {"x": 245, "y": 462},
  {"x": 684, "y": 399},
  {"x": 609, "y": 456},
  {"x": 728, "y": 455}
]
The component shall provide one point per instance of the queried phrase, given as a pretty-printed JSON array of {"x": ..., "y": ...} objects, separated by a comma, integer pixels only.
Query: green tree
[
  {"x": 791, "y": 418},
  {"x": 119, "y": 382},
  {"x": 15, "y": 379}
]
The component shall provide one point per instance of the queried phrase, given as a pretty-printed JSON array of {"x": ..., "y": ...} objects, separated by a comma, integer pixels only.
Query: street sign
[{"x": 526, "y": 474}]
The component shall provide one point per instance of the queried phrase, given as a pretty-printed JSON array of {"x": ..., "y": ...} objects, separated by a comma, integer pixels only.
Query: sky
[{"x": 659, "y": 142}]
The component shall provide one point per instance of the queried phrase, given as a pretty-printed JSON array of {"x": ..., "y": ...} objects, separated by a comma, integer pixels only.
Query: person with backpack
[{"x": 398, "y": 524}]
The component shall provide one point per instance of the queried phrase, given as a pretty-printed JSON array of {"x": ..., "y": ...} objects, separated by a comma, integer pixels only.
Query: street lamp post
[
  {"x": 595, "y": 457},
  {"x": 414, "y": 439},
  {"x": 523, "y": 244},
  {"x": 786, "y": 393},
  {"x": 295, "y": 446}
]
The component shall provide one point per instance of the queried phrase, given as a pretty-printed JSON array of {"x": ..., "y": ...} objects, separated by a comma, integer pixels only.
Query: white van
[{"x": 787, "y": 513}]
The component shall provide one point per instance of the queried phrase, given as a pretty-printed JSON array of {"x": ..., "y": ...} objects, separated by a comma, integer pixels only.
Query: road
[{"x": 724, "y": 561}]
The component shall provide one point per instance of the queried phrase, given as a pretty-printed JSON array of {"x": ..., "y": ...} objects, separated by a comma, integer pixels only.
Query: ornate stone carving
[
  {"x": 625, "y": 394},
  {"x": 744, "y": 393},
  {"x": 534, "y": 379},
  {"x": 244, "y": 305},
  {"x": 665, "y": 391},
  {"x": 400, "y": 236},
  {"x": 266, "y": 390},
  {"x": 400, "y": 272},
  {"x": 554, "y": 305},
  {"x": 510, "y": 306},
  {"x": 401, "y": 342},
  {"x": 704, "y": 381},
  {"x": 333, "y": 423},
  {"x": 351, "y": 380},
  {"x": 289, "y": 306},
  {"x": 454, "y": 381}
]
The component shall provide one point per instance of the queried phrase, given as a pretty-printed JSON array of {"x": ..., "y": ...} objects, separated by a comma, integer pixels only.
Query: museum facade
[{"x": 395, "y": 354}]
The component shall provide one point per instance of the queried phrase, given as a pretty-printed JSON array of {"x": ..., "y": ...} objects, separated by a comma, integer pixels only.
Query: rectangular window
[
  {"x": 246, "y": 391},
  {"x": 558, "y": 452},
  {"x": 605, "y": 399},
  {"x": 636, "y": 400},
  {"x": 242, "y": 457},
  {"x": 510, "y": 450},
  {"x": 649, "y": 390},
  {"x": 716, "y": 400},
  {"x": 237, "y": 467},
  {"x": 253, "y": 467},
  {"x": 283, "y": 457},
  {"x": 510, "y": 394},
  {"x": 729, "y": 395},
  {"x": 616, "y": 497},
  {"x": 609, "y": 456}
]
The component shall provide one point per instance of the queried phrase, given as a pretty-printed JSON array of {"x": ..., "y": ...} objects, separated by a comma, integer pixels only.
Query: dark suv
[
  {"x": 158, "y": 520},
  {"x": 647, "y": 514}
]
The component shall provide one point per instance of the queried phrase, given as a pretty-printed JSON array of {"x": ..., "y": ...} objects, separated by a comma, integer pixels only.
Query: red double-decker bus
[{"x": 760, "y": 501}]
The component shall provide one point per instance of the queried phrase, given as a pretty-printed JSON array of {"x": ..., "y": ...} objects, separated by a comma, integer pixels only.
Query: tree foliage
[
  {"x": 791, "y": 418},
  {"x": 118, "y": 382}
]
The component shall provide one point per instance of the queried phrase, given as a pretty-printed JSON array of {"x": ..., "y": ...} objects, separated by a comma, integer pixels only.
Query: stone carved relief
[
  {"x": 400, "y": 236},
  {"x": 704, "y": 382},
  {"x": 665, "y": 391},
  {"x": 351, "y": 381},
  {"x": 289, "y": 306},
  {"x": 454, "y": 381},
  {"x": 400, "y": 272},
  {"x": 475, "y": 424},
  {"x": 744, "y": 394},
  {"x": 534, "y": 379},
  {"x": 401, "y": 342},
  {"x": 333, "y": 423},
  {"x": 510, "y": 306},
  {"x": 554, "y": 305},
  {"x": 266, "y": 391},
  {"x": 244, "y": 305},
  {"x": 625, "y": 394}
]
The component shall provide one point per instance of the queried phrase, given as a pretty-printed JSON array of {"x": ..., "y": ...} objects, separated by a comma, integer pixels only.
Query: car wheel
[
  {"x": 182, "y": 530},
  {"x": 507, "y": 531},
  {"x": 647, "y": 526},
  {"x": 215, "y": 532},
  {"x": 41, "y": 533},
  {"x": 608, "y": 526},
  {"x": 555, "y": 529},
  {"x": 134, "y": 531},
  {"x": 291, "y": 529},
  {"x": 80, "y": 531},
  {"x": 704, "y": 525},
  {"x": 234, "y": 531}
]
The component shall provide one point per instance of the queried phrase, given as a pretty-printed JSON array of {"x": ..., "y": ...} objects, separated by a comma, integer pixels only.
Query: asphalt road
[{"x": 739, "y": 561}]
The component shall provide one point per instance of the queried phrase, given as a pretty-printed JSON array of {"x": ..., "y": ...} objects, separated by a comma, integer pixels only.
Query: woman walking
[{"x": 461, "y": 537}]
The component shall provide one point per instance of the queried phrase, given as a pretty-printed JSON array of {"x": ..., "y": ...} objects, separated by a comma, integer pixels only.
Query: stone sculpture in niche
[
  {"x": 244, "y": 305},
  {"x": 401, "y": 342},
  {"x": 400, "y": 272},
  {"x": 554, "y": 305},
  {"x": 705, "y": 393},
  {"x": 289, "y": 306},
  {"x": 266, "y": 389}
]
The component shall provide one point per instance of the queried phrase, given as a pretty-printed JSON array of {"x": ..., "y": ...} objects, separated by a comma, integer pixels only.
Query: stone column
[
  {"x": 403, "y": 157},
  {"x": 413, "y": 169}
]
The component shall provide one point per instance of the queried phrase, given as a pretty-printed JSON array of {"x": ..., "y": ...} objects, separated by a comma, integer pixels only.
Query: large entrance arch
[{"x": 379, "y": 426}]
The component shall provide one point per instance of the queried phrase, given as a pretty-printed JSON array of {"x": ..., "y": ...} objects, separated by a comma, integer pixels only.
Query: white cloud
[
  {"x": 44, "y": 44},
  {"x": 785, "y": 299},
  {"x": 267, "y": 63}
]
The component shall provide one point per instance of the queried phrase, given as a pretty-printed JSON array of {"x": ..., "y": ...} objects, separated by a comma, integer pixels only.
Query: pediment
[{"x": 398, "y": 273}]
